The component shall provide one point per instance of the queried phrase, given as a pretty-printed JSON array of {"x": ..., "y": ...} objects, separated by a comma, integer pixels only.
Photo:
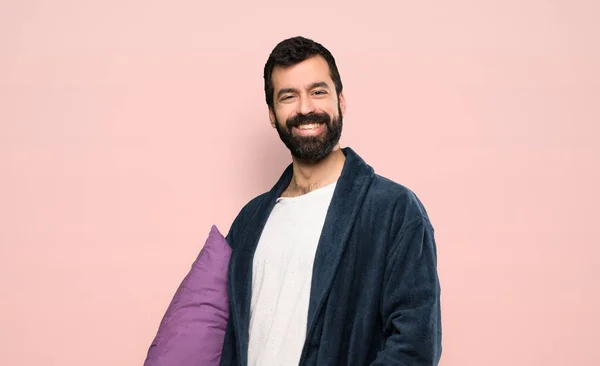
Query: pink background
[{"x": 116, "y": 116}]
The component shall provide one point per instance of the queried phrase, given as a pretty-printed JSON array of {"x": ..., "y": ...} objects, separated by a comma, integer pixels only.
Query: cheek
[
  {"x": 284, "y": 113},
  {"x": 328, "y": 105},
  {"x": 329, "y": 108},
  {"x": 280, "y": 117}
]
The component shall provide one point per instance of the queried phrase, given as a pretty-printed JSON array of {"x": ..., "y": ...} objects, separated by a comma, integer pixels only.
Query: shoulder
[
  {"x": 252, "y": 205},
  {"x": 243, "y": 217},
  {"x": 404, "y": 204},
  {"x": 409, "y": 228}
]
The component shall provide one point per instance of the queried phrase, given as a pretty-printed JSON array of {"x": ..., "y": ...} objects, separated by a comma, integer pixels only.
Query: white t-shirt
[{"x": 281, "y": 278}]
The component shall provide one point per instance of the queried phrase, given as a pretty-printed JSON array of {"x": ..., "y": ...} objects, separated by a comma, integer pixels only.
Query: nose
[{"x": 306, "y": 106}]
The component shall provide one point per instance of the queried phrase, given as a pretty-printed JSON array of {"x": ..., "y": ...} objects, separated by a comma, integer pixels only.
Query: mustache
[{"x": 304, "y": 119}]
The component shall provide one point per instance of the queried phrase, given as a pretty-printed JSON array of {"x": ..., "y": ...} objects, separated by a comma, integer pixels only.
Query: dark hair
[{"x": 292, "y": 51}]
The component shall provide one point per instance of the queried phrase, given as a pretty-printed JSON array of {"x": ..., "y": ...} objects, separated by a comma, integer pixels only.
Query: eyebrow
[{"x": 318, "y": 84}]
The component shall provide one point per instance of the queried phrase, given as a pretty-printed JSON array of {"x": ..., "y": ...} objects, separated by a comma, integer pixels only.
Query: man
[{"x": 335, "y": 265}]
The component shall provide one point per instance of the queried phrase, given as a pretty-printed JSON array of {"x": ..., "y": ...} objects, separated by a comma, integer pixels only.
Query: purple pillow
[{"x": 192, "y": 330}]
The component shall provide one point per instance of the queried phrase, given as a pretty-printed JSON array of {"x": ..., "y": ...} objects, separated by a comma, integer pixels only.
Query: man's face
[{"x": 306, "y": 110}]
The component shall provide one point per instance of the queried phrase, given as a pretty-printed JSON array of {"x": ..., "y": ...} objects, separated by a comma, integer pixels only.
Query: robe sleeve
[
  {"x": 229, "y": 352},
  {"x": 410, "y": 305}
]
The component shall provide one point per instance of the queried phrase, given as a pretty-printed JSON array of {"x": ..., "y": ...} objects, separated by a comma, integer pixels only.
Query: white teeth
[{"x": 309, "y": 127}]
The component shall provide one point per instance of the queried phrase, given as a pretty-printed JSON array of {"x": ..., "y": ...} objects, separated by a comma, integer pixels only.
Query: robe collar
[{"x": 345, "y": 205}]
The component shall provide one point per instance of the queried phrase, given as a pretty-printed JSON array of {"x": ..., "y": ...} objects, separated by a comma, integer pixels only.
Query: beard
[{"x": 311, "y": 149}]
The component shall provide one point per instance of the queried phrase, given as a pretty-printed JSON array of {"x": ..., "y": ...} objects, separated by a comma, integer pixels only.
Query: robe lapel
[
  {"x": 345, "y": 206},
  {"x": 241, "y": 263}
]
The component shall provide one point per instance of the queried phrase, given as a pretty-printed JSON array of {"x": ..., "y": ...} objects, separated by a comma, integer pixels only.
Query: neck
[{"x": 308, "y": 177}]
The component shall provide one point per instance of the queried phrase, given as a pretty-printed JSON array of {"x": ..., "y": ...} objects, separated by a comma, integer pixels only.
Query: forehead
[{"x": 313, "y": 69}]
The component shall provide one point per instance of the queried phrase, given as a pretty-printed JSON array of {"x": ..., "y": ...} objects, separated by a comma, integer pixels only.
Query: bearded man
[{"x": 335, "y": 265}]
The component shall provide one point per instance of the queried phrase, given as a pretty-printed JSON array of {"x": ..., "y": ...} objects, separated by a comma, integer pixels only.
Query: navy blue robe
[{"x": 375, "y": 291}]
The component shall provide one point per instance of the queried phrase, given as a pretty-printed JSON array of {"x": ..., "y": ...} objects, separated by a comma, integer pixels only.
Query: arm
[
  {"x": 411, "y": 300},
  {"x": 228, "y": 354}
]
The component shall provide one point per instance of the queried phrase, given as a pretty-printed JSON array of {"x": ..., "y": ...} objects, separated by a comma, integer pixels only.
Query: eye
[
  {"x": 286, "y": 97},
  {"x": 320, "y": 92}
]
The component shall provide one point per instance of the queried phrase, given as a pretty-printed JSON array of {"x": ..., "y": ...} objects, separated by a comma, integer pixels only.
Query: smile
[
  {"x": 311, "y": 129},
  {"x": 309, "y": 126}
]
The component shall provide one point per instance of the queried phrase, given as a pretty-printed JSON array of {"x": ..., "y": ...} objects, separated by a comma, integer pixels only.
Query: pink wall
[{"x": 115, "y": 116}]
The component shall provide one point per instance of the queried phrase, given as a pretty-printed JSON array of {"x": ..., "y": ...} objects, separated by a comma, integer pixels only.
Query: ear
[
  {"x": 342, "y": 104},
  {"x": 272, "y": 117}
]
